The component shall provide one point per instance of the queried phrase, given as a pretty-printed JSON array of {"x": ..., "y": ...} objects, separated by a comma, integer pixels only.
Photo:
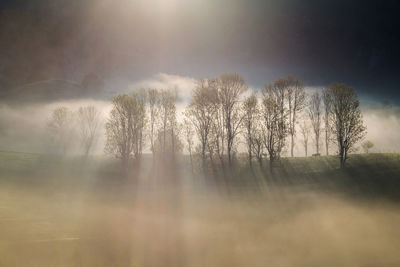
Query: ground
[{"x": 74, "y": 212}]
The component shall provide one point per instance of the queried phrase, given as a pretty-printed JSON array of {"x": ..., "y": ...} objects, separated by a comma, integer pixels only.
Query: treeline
[
  {"x": 223, "y": 112},
  {"x": 146, "y": 117},
  {"x": 67, "y": 127}
]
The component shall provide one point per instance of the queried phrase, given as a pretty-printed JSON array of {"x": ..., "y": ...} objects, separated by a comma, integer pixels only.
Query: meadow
[{"x": 72, "y": 211}]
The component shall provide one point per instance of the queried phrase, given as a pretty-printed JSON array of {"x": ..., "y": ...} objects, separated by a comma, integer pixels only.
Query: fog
[
  {"x": 23, "y": 126},
  {"x": 70, "y": 210},
  {"x": 112, "y": 185},
  {"x": 383, "y": 124},
  {"x": 65, "y": 212}
]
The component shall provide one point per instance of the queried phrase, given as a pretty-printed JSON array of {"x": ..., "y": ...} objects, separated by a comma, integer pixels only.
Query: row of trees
[
  {"x": 63, "y": 123},
  {"x": 222, "y": 112},
  {"x": 128, "y": 122},
  {"x": 219, "y": 112},
  {"x": 217, "y": 118}
]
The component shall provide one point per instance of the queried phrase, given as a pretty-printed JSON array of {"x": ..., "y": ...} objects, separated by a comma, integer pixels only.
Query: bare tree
[
  {"x": 231, "y": 86},
  {"x": 89, "y": 120},
  {"x": 305, "y": 132},
  {"x": 257, "y": 145},
  {"x": 172, "y": 147},
  {"x": 367, "y": 145},
  {"x": 327, "y": 109},
  {"x": 60, "y": 127},
  {"x": 213, "y": 147},
  {"x": 168, "y": 123},
  {"x": 124, "y": 128},
  {"x": 119, "y": 138},
  {"x": 347, "y": 123},
  {"x": 139, "y": 121},
  {"x": 296, "y": 97},
  {"x": 315, "y": 113},
  {"x": 275, "y": 119},
  {"x": 153, "y": 98},
  {"x": 211, "y": 151},
  {"x": 218, "y": 130},
  {"x": 201, "y": 113},
  {"x": 189, "y": 133},
  {"x": 271, "y": 124},
  {"x": 250, "y": 112}
]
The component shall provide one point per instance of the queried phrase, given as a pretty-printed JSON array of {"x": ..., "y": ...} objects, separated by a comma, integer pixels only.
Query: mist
[
  {"x": 24, "y": 127},
  {"x": 73, "y": 212},
  {"x": 168, "y": 133},
  {"x": 62, "y": 207}
]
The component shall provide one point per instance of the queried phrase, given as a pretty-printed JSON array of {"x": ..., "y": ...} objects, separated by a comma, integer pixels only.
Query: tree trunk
[
  {"x": 342, "y": 157},
  {"x": 215, "y": 172},
  {"x": 250, "y": 159},
  {"x": 292, "y": 146},
  {"x": 229, "y": 141},
  {"x": 203, "y": 158},
  {"x": 191, "y": 160},
  {"x": 326, "y": 143},
  {"x": 271, "y": 161},
  {"x": 163, "y": 146},
  {"x": 173, "y": 145},
  {"x": 221, "y": 159},
  {"x": 250, "y": 141},
  {"x": 229, "y": 156},
  {"x": 260, "y": 161},
  {"x": 342, "y": 162},
  {"x": 125, "y": 163}
]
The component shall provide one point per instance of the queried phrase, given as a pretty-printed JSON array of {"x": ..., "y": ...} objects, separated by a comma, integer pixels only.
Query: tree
[
  {"x": 257, "y": 145},
  {"x": 315, "y": 112},
  {"x": 201, "y": 113},
  {"x": 168, "y": 123},
  {"x": 296, "y": 97},
  {"x": 327, "y": 108},
  {"x": 124, "y": 128},
  {"x": 172, "y": 147},
  {"x": 275, "y": 119},
  {"x": 367, "y": 145},
  {"x": 305, "y": 132},
  {"x": 218, "y": 129},
  {"x": 153, "y": 98},
  {"x": 188, "y": 133},
  {"x": 88, "y": 120},
  {"x": 119, "y": 137},
  {"x": 250, "y": 112},
  {"x": 60, "y": 127},
  {"x": 139, "y": 100},
  {"x": 231, "y": 86},
  {"x": 346, "y": 119}
]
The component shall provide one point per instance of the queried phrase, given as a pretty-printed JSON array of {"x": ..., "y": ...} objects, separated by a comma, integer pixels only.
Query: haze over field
[
  {"x": 58, "y": 211},
  {"x": 199, "y": 133}
]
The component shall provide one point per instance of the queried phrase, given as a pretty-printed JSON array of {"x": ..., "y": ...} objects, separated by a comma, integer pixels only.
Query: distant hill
[{"x": 56, "y": 89}]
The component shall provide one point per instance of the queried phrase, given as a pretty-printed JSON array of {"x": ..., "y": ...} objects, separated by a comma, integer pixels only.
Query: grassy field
[{"x": 70, "y": 211}]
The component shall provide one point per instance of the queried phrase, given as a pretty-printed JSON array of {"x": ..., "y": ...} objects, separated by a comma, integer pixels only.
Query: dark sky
[{"x": 319, "y": 42}]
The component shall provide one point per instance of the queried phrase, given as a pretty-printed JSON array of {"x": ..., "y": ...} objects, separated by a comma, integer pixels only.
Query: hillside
[{"x": 370, "y": 174}]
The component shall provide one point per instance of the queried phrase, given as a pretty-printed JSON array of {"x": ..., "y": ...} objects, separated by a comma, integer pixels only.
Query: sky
[
  {"x": 56, "y": 51},
  {"x": 123, "y": 42}
]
